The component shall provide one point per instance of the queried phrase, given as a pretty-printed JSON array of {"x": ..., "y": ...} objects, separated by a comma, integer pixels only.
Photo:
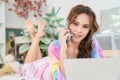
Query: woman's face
[{"x": 80, "y": 28}]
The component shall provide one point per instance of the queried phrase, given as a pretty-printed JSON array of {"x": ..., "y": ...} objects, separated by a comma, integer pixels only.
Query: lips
[{"x": 77, "y": 36}]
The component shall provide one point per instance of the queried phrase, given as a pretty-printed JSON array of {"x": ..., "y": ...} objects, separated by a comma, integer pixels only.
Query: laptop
[{"x": 92, "y": 69}]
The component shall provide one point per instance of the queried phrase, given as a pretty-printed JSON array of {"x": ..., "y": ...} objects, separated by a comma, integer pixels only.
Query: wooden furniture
[{"x": 111, "y": 53}]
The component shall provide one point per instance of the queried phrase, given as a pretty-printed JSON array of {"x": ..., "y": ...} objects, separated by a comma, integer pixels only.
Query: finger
[{"x": 64, "y": 31}]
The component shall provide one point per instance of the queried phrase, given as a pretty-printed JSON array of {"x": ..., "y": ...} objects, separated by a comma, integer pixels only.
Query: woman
[{"x": 82, "y": 25}]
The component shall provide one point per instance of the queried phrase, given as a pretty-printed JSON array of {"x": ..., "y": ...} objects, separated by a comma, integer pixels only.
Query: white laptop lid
[{"x": 92, "y": 69}]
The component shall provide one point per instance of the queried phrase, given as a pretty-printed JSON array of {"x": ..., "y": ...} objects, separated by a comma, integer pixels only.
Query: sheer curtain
[
  {"x": 115, "y": 40},
  {"x": 109, "y": 36}
]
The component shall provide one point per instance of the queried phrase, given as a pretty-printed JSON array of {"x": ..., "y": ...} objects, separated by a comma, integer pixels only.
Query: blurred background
[{"x": 14, "y": 37}]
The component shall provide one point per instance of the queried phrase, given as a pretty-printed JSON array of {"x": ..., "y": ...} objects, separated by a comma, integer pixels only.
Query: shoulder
[
  {"x": 55, "y": 43},
  {"x": 54, "y": 46},
  {"x": 54, "y": 49},
  {"x": 94, "y": 42},
  {"x": 96, "y": 49}
]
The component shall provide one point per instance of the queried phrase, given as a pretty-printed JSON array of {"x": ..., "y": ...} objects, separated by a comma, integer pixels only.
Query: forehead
[{"x": 83, "y": 19}]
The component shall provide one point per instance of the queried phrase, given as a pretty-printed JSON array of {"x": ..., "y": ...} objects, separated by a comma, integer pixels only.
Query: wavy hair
[{"x": 85, "y": 45}]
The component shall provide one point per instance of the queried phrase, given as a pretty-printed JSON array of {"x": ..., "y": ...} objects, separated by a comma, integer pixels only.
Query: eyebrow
[{"x": 79, "y": 22}]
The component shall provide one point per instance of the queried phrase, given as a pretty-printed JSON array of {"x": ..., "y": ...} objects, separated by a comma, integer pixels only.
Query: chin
[{"x": 76, "y": 40}]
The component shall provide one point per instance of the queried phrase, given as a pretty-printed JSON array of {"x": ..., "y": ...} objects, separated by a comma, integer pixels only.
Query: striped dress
[{"x": 40, "y": 69}]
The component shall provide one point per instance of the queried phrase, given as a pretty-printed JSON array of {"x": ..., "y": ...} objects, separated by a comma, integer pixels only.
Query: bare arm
[
  {"x": 63, "y": 44},
  {"x": 62, "y": 61}
]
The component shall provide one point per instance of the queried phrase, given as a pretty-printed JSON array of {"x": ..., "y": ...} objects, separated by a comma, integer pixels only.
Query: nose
[{"x": 79, "y": 29}]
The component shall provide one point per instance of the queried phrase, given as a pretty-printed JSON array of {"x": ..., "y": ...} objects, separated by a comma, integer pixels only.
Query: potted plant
[{"x": 53, "y": 23}]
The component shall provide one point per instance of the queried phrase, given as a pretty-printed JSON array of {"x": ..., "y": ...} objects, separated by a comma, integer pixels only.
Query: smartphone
[{"x": 68, "y": 38}]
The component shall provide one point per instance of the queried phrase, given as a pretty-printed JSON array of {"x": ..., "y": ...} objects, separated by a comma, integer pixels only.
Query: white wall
[
  {"x": 14, "y": 21},
  {"x": 96, "y": 5}
]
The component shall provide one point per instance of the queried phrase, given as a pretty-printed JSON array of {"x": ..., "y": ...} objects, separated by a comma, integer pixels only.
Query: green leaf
[
  {"x": 51, "y": 25},
  {"x": 61, "y": 25},
  {"x": 43, "y": 47},
  {"x": 57, "y": 35},
  {"x": 51, "y": 29},
  {"x": 48, "y": 15},
  {"x": 58, "y": 10},
  {"x": 59, "y": 20},
  {"x": 45, "y": 40},
  {"x": 36, "y": 26},
  {"x": 53, "y": 11},
  {"x": 46, "y": 19}
]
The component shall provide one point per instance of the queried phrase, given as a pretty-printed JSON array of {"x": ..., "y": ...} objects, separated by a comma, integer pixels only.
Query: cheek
[
  {"x": 72, "y": 29},
  {"x": 86, "y": 32}
]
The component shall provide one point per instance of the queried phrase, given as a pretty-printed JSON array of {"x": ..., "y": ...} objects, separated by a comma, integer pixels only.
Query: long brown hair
[{"x": 85, "y": 45}]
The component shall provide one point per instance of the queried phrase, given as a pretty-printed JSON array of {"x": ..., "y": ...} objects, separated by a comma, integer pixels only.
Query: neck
[
  {"x": 72, "y": 50},
  {"x": 74, "y": 45}
]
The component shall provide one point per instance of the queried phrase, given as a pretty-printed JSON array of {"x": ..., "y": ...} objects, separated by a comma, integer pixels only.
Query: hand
[{"x": 62, "y": 37}]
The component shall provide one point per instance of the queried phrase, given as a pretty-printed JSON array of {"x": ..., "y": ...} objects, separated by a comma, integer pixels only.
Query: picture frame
[{"x": 12, "y": 32}]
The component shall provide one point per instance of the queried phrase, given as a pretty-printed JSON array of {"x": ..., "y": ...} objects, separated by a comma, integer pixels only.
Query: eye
[
  {"x": 75, "y": 23},
  {"x": 86, "y": 26}
]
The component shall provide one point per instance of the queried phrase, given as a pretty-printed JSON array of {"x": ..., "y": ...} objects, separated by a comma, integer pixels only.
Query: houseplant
[{"x": 53, "y": 23}]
